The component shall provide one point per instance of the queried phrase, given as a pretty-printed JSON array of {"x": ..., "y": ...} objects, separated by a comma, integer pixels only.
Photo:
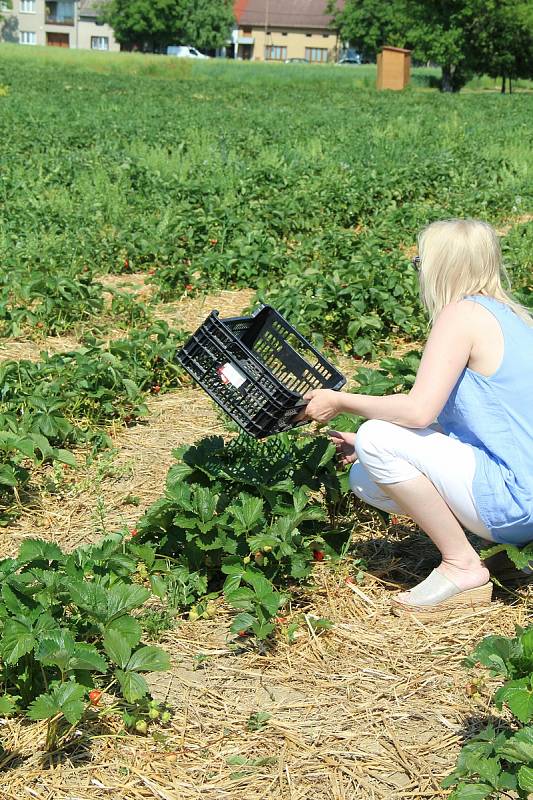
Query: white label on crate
[{"x": 229, "y": 373}]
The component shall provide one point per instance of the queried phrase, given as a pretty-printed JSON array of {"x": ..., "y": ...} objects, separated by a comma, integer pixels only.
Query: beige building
[
  {"x": 57, "y": 23},
  {"x": 280, "y": 30}
]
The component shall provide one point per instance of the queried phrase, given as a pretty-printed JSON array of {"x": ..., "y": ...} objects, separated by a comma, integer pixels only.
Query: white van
[{"x": 184, "y": 51}]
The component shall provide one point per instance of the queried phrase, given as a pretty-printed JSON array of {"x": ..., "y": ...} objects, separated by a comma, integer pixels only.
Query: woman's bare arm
[{"x": 445, "y": 356}]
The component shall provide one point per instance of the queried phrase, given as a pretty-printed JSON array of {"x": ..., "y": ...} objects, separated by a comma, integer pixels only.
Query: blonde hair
[{"x": 462, "y": 257}]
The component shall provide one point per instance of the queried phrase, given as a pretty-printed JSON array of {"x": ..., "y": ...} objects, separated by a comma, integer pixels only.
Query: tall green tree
[
  {"x": 154, "y": 24},
  {"x": 502, "y": 40},
  {"x": 369, "y": 24},
  {"x": 440, "y": 32},
  {"x": 463, "y": 37}
]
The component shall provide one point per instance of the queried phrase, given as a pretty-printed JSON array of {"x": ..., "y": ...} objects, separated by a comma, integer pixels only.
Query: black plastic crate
[{"x": 257, "y": 369}]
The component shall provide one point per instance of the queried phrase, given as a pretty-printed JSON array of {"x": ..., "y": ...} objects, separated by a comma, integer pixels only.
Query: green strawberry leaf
[
  {"x": 65, "y": 698},
  {"x": 17, "y": 640},
  {"x": 117, "y": 647},
  {"x": 7, "y": 705},
  {"x": 133, "y": 685},
  {"x": 124, "y": 598},
  {"x": 128, "y": 627},
  {"x": 525, "y": 778},
  {"x": 39, "y": 550},
  {"x": 149, "y": 659}
]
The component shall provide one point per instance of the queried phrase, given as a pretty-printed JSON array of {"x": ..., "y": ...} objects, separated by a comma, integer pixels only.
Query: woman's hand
[
  {"x": 345, "y": 447},
  {"x": 323, "y": 405}
]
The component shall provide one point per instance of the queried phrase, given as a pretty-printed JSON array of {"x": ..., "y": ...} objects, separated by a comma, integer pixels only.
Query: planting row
[
  {"x": 69, "y": 399},
  {"x": 241, "y": 520}
]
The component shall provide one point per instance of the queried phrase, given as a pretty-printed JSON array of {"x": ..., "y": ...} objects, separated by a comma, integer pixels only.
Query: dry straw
[{"x": 374, "y": 708}]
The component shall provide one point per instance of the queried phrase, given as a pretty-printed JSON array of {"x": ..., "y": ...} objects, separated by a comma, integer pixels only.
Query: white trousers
[{"x": 389, "y": 453}]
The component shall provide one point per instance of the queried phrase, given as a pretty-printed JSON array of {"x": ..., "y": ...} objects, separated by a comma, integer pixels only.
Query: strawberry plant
[
  {"x": 255, "y": 512},
  {"x": 498, "y": 761},
  {"x": 69, "y": 398},
  {"x": 66, "y": 630},
  {"x": 392, "y": 375}
]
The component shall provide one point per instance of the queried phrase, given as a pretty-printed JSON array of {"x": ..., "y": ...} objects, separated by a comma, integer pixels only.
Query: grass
[{"x": 226, "y": 70}]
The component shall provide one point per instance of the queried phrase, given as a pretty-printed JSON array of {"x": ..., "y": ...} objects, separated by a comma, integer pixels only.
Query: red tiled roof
[
  {"x": 238, "y": 8},
  {"x": 283, "y": 13}
]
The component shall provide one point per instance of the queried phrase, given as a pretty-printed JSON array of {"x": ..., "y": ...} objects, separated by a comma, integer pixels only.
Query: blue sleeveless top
[{"x": 495, "y": 416}]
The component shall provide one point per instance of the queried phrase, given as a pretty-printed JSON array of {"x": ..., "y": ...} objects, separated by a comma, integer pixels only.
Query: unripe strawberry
[
  {"x": 141, "y": 726},
  {"x": 153, "y": 713},
  {"x": 246, "y": 560},
  {"x": 166, "y": 716},
  {"x": 193, "y": 614}
]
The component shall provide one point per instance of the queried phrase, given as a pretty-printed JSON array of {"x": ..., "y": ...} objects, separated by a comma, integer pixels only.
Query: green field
[{"x": 137, "y": 193}]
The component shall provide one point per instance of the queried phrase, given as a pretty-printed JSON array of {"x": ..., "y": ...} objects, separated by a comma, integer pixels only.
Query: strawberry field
[{"x": 185, "y": 612}]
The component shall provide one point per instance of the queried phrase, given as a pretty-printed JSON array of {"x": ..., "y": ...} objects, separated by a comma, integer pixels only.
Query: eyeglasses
[{"x": 416, "y": 262}]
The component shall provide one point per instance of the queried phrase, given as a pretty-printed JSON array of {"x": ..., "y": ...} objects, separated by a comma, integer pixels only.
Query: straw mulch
[
  {"x": 374, "y": 708},
  {"x": 29, "y": 350},
  {"x": 190, "y": 312},
  {"x": 115, "y": 490}
]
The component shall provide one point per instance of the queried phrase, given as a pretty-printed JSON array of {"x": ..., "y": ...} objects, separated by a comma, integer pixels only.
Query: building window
[
  {"x": 274, "y": 52},
  {"x": 325, "y": 35},
  {"x": 27, "y": 6},
  {"x": 308, "y": 35},
  {"x": 28, "y": 37},
  {"x": 99, "y": 43},
  {"x": 318, "y": 55},
  {"x": 59, "y": 12},
  {"x": 284, "y": 33},
  {"x": 246, "y": 31}
]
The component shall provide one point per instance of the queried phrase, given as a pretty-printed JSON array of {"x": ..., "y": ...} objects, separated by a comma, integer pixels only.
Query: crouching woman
[{"x": 474, "y": 469}]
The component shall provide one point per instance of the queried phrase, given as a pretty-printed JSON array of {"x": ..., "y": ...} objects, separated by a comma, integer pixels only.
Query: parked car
[
  {"x": 296, "y": 61},
  {"x": 184, "y": 51},
  {"x": 355, "y": 59}
]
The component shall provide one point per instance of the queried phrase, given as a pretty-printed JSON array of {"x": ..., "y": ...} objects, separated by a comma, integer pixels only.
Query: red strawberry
[
  {"x": 126, "y": 263},
  {"x": 213, "y": 241},
  {"x": 242, "y": 634},
  {"x": 189, "y": 287},
  {"x": 134, "y": 532},
  {"x": 318, "y": 555},
  {"x": 156, "y": 388},
  {"x": 394, "y": 520},
  {"x": 94, "y": 696},
  {"x": 349, "y": 580}
]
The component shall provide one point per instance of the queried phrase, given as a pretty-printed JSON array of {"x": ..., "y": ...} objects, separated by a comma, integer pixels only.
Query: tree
[
  {"x": 502, "y": 40},
  {"x": 154, "y": 24},
  {"x": 439, "y": 32},
  {"x": 369, "y": 24},
  {"x": 463, "y": 37}
]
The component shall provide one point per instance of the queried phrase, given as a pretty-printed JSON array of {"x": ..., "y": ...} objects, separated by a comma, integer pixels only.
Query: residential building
[
  {"x": 278, "y": 30},
  {"x": 58, "y": 23}
]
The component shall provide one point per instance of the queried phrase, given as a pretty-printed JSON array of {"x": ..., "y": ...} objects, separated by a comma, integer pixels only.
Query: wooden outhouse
[{"x": 394, "y": 67}]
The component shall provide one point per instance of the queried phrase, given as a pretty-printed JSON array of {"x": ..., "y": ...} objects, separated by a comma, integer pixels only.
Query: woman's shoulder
[{"x": 457, "y": 312}]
